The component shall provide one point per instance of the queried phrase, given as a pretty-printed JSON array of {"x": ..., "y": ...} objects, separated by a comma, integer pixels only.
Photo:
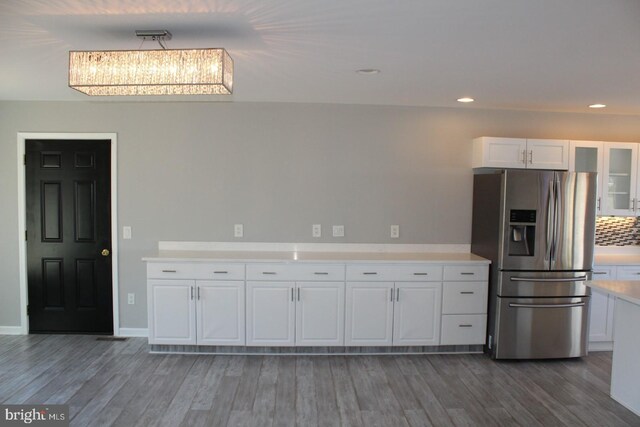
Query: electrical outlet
[
  {"x": 316, "y": 230},
  {"x": 126, "y": 232},
  {"x": 238, "y": 230},
  {"x": 131, "y": 299},
  {"x": 338, "y": 231},
  {"x": 395, "y": 231}
]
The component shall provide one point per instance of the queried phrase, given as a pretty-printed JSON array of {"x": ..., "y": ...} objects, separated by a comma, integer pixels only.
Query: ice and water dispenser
[{"x": 522, "y": 232}]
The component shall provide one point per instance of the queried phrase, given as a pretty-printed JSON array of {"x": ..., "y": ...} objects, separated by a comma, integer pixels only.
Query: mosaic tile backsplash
[{"x": 617, "y": 231}]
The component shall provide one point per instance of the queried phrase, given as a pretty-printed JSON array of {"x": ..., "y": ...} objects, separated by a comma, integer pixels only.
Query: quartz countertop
[
  {"x": 268, "y": 256},
  {"x": 629, "y": 290}
]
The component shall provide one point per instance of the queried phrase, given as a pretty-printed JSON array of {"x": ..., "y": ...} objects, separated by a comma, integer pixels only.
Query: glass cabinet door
[
  {"x": 587, "y": 156},
  {"x": 620, "y": 179}
]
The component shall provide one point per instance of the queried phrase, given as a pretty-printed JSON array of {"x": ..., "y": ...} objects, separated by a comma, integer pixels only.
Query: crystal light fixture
[{"x": 152, "y": 72}]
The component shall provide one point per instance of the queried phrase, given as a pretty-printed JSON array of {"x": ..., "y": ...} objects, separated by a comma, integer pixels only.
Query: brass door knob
[{"x": 105, "y": 252}]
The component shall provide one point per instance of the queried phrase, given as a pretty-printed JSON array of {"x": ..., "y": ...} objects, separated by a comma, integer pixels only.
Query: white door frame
[{"x": 22, "y": 245}]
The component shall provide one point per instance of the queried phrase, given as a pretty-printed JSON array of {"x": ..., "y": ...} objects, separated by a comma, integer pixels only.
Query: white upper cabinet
[
  {"x": 521, "y": 153},
  {"x": 620, "y": 179},
  {"x": 588, "y": 156}
]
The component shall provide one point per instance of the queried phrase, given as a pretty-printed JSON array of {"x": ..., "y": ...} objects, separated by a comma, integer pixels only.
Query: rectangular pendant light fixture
[{"x": 151, "y": 72}]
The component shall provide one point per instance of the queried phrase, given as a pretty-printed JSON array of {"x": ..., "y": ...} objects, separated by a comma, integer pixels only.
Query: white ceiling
[{"x": 553, "y": 55}]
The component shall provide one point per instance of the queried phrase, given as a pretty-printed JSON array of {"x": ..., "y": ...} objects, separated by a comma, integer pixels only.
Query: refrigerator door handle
[
  {"x": 556, "y": 216},
  {"x": 545, "y": 279},
  {"x": 550, "y": 223},
  {"x": 577, "y": 304}
]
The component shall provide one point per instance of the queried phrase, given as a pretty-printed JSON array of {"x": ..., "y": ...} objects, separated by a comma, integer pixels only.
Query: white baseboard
[
  {"x": 11, "y": 330},
  {"x": 134, "y": 332},
  {"x": 601, "y": 346}
]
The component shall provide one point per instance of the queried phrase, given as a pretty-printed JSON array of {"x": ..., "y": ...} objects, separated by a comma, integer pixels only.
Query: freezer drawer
[
  {"x": 541, "y": 328},
  {"x": 551, "y": 284}
]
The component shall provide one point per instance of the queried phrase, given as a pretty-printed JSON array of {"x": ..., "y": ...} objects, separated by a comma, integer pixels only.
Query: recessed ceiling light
[
  {"x": 597, "y": 106},
  {"x": 466, "y": 99},
  {"x": 368, "y": 71}
]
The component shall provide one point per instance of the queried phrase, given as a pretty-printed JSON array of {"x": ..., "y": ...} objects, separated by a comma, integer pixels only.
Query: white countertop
[
  {"x": 267, "y": 256},
  {"x": 628, "y": 290},
  {"x": 616, "y": 259}
]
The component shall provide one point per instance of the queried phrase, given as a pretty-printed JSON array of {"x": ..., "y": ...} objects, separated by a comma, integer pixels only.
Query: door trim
[{"x": 22, "y": 218}]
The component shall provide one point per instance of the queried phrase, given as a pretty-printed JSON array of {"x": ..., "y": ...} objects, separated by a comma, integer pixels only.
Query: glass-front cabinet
[
  {"x": 588, "y": 156},
  {"x": 620, "y": 179}
]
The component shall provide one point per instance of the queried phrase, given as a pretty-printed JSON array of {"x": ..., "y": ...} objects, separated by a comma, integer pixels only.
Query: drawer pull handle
[
  {"x": 321, "y": 273},
  {"x": 599, "y": 272},
  {"x": 465, "y": 326},
  {"x": 467, "y": 292},
  {"x": 169, "y": 271},
  {"x": 220, "y": 272},
  {"x": 467, "y": 274},
  {"x": 420, "y": 274},
  {"x": 268, "y": 272},
  {"x": 373, "y": 273}
]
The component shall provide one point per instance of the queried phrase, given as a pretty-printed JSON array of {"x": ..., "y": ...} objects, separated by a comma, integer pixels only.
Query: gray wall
[{"x": 189, "y": 171}]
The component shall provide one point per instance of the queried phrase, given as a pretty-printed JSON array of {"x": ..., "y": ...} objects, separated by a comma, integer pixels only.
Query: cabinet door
[
  {"x": 416, "y": 317},
  {"x": 619, "y": 180},
  {"x": 490, "y": 152},
  {"x": 588, "y": 156},
  {"x": 369, "y": 313},
  {"x": 547, "y": 154},
  {"x": 172, "y": 312},
  {"x": 220, "y": 308},
  {"x": 320, "y": 314},
  {"x": 270, "y": 313},
  {"x": 601, "y": 310}
]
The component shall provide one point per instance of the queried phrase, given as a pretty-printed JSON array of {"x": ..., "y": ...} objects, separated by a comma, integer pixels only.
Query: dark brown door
[{"x": 68, "y": 197}]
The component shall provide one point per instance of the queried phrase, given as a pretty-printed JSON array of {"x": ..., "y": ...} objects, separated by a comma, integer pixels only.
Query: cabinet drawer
[
  {"x": 394, "y": 273},
  {"x": 219, "y": 271},
  {"x": 171, "y": 270},
  {"x": 627, "y": 273},
  {"x": 464, "y": 297},
  {"x": 466, "y": 272},
  {"x": 463, "y": 329},
  {"x": 301, "y": 272},
  {"x": 604, "y": 272}
]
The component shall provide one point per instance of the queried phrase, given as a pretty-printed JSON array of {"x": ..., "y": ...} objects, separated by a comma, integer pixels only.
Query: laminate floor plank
[{"x": 119, "y": 383}]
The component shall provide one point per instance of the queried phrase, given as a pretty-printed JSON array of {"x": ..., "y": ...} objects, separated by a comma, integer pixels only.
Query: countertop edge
[{"x": 628, "y": 290}]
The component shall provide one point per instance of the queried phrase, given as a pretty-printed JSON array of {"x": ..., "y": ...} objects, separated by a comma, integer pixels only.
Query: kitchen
[{"x": 190, "y": 171}]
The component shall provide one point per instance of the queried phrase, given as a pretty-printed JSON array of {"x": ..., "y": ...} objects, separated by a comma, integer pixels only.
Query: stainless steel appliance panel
[
  {"x": 529, "y": 191},
  {"x": 543, "y": 283},
  {"x": 541, "y": 328},
  {"x": 575, "y": 195}
]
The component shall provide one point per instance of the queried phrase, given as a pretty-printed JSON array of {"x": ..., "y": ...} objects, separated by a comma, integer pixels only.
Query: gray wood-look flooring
[{"x": 121, "y": 384}]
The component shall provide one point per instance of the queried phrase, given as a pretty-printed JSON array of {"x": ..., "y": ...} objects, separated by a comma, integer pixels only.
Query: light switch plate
[
  {"x": 238, "y": 230},
  {"x": 395, "y": 231},
  {"x": 316, "y": 230},
  {"x": 338, "y": 231},
  {"x": 126, "y": 232}
]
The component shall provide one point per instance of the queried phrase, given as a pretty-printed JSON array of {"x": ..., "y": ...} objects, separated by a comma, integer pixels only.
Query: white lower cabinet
[
  {"x": 388, "y": 313},
  {"x": 270, "y": 314},
  {"x": 310, "y": 304},
  {"x": 295, "y": 313},
  {"x": 601, "y": 312},
  {"x": 220, "y": 312},
  {"x": 172, "y": 312}
]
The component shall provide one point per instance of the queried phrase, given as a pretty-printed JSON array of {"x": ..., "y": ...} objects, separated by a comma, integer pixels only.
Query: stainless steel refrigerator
[{"x": 538, "y": 230}]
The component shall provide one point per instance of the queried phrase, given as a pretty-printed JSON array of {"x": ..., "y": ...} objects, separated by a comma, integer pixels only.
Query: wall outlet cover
[
  {"x": 395, "y": 231},
  {"x": 238, "y": 230},
  {"x": 126, "y": 232},
  {"x": 316, "y": 230},
  {"x": 131, "y": 298}
]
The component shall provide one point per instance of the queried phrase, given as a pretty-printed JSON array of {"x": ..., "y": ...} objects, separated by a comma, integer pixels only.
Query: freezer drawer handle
[
  {"x": 578, "y": 304},
  {"x": 565, "y": 279}
]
